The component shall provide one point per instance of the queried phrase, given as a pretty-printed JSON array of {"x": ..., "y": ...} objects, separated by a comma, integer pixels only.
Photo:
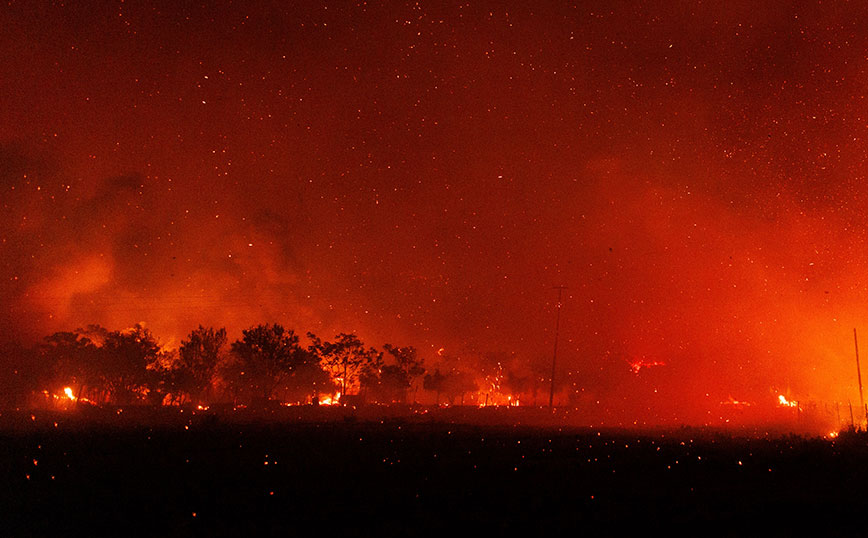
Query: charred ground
[{"x": 220, "y": 474}]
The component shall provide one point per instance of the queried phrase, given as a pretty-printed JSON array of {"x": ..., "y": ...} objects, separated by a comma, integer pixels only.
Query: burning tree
[
  {"x": 346, "y": 358},
  {"x": 74, "y": 359},
  {"x": 122, "y": 366}
]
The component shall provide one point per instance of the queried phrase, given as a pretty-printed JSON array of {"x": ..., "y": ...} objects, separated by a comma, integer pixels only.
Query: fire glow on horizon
[{"x": 697, "y": 178}]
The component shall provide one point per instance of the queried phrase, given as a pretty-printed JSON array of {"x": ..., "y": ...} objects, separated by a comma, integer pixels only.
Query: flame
[
  {"x": 492, "y": 391},
  {"x": 735, "y": 403},
  {"x": 69, "y": 394},
  {"x": 637, "y": 365},
  {"x": 782, "y": 400},
  {"x": 330, "y": 400},
  {"x": 494, "y": 399}
]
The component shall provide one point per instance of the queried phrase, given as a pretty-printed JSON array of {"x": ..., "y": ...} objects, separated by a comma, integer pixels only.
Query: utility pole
[
  {"x": 859, "y": 374},
  {"x": 555, "y": 356},
  {"x": 852, "y": 423}
]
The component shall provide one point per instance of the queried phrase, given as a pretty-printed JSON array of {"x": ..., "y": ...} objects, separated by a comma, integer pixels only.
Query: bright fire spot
[
  {"x": 637, "y": 365},
  {"x": 69, "y": 394},
  {"x": 782, "y": 400},
  {"x": 832, "y": 435},
  {"x": 330, "y": 400},
  {"x": 735, "y": 403}
]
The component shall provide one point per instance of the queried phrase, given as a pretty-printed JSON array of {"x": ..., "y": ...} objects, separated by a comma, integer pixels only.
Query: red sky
[{"x": 423, "y": 174}]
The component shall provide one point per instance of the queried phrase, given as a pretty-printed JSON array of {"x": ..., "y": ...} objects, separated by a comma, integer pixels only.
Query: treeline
[{"x": 267, "y": 363}]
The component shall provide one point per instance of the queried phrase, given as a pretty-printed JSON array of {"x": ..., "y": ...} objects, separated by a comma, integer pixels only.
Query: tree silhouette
[
  {"x": 454, "y": 384},
  {"x": 346, "y": 358},
  {"x": 265, "y": 356},
  {"x": 434, "y": 383},
  {"x": 396, "y": 377},
  {"x": 75, "y": 361},
  {"x": 524, "y": 379},
  {"x": 133, "y": 365},
  {"x": 232, "y": 378},
  {"x": 198, "y": 358},
  {"x": 122, "y": 366},
  {"x": 306, "y": 380},
  {"x": 458, "y": 383}
]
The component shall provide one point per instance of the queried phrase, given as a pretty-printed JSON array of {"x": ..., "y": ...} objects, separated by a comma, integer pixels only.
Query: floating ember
[{"x": 637, "y": 365}]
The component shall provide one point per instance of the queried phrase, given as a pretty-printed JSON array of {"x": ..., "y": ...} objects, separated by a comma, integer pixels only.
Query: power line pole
[
  {"x": 859, "y": 374},
  {"x": 555, "y": 356}
]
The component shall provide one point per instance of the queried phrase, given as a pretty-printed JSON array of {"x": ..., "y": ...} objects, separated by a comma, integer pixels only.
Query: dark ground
[{"x": 211, "y": 475}]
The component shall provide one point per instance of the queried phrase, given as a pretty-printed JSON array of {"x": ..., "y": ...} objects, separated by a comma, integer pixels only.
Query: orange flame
[
  {"x": 782, "y": 401},
  {"x": 330, "y": 400}
]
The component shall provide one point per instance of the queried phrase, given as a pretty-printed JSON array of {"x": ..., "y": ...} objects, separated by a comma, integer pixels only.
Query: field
[{"x": 220, "y": 474}]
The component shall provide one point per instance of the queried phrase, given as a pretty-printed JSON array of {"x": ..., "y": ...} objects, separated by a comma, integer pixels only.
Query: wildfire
[
  {"x": 330, "y": 400},
  {"x": 637, "y": 365},
  {"x": 782, "y": 401},
  {"x": 735, "y": 403},
  {"x": 69, "y": 394},
  {"x": 495, "y": 399}
]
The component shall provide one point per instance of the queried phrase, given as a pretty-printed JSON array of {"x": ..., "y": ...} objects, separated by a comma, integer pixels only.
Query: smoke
[{"x": 694, "y": 178}]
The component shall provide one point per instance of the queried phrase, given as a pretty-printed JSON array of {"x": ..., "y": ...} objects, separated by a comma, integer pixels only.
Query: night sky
[{"x": 424, "y": 173}]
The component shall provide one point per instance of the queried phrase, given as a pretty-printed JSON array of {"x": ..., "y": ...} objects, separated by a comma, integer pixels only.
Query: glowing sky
[{"x": 425, "y": 173}]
